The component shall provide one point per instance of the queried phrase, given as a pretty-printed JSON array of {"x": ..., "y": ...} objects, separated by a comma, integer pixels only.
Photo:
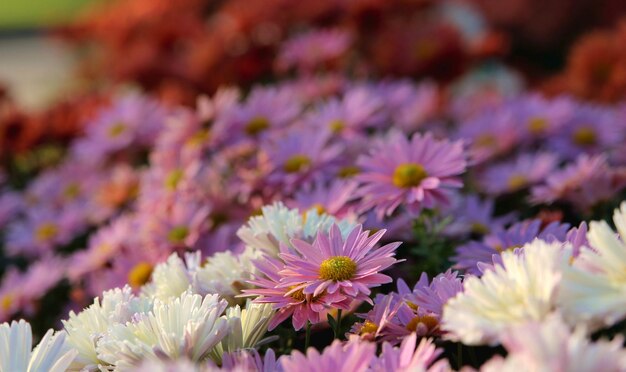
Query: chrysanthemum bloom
[
  {"x": 524, "y": 171},
  {"x": 590, "y": 130},
  {"x": 333, "y": 264},
  {"x": 551, "y": 346},
  {"x": 51, "y": 354},
  {"x": 416, "y": 174},
  {"x": 298, "y": 157},
  {"x": 408, "y": 358},
  {"x": 355, "y": 355},
  {"x": 494, "y": 132},
  {"x": 247, "y": 327},
  {"x": 471, "y": 215},
  {"x": 333, "y": 198},
  {"x": 407, "y": 105},
  {"x": 540, "y": 117},
  {"x": 523, "y": 288},
  {"x": 584, "y": 183},
  {"x": 188, "y": 326},
  {"x": 83, "y": 329},
  {"x": 301, "y": 307},
  {"x": 472, "y": 255},
  {"x": 593, "y": 289}
]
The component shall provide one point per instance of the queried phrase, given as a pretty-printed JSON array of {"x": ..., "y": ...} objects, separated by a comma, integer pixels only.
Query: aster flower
[
  {"x": 290, "y": 302},
  {"x": 416, "y": 174},
  {"x": 408, "y": 358},
  {"x": 407, "y": 105},
  {"x": 51, "y": 354},
  {"x": 298, "y": 157},
  {"x": 590, "y": 130},
  {"x": 551, "y": 346},
  {"x": 472, "y": 255},
  {"x": 186, "y": 326},
  {"x": 352, "y": 356},
  {"x": 523, "y": 288},
  {"x": 333, "y": 264},
  {"x": 524, "y": 171},
  {"x": 540, "y": 117},
  {"x": 586, "y": 182},
  {"x": 592, "y": 290},
  {"x": 250, "y": 360},
  {"x": 333, "y": 199},
  {"x": 474, "y": 215},
  {"x": 492, "y": 133}
]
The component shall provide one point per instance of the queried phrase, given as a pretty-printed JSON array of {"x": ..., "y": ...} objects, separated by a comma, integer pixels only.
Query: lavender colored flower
[
  {"x": 416, "y": 174},
  {"x": 309, "y": 50},
  {"x": 333, "y": 264},
  {"x": 408, "y": 358},
  {"x": 524, "y": 171},
  {"x": 470, "y": 214},
  {"x": 469, "y": 255},
  {"x": 354, "y": 355}
]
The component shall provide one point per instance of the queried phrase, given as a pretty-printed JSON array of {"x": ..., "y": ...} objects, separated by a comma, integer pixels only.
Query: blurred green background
[{"x": 29, "y": 14}]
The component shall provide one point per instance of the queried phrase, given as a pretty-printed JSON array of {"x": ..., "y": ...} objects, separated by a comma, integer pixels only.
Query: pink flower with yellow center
[
  {"x": 334, "y": 265},
  {"x": 417, "y": 173}
]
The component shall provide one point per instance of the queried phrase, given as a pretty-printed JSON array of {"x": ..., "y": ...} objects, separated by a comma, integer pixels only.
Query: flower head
[{"x": 417, "y": 174}]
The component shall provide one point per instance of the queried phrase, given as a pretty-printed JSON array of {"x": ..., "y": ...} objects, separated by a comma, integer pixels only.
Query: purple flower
[
  {"x": 333, "y": 198},
  {"x": 417, "y": 173},
  {"x": 334, "y": 265},
  {"x": 469, "y": 255},
  {"x": 408, "y": 358},
  {"x": 354, "y": 356},
  {"x": 473, "y": 215},
  {"x": 309, "y": 50},
  {"x": 295, "y": 303},
  {"x": 520, "y": 173},
  {"x": 590, "y": 130}
]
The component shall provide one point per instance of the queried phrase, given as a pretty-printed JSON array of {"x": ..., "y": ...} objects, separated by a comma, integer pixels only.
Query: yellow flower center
[
  {"x": 72, "y": 191},
  {"x": 46, "y": 231},
  {"x": 349, "y": 171},
  {"x": 297, "y": 295},
  {"x": 412, "y": 305},
  {"x": 409, "y": 175},
  {"x": 257, "y": 125},
  {"x": 337, "y": 268},
  {"x": 501, "y": 249},
  {"x": 173, "y": 179},
  {"x": 479, "y": 228},
  {"x": 584, "y": 136},
  {"x": 117, "y": 129},
  {"x": 336, "y": 126},
  {"x": 319, "y": 208},
  {"x": 517, "y": 181},
  {"x": 485, "y": 140},
  {"x": 140, "y": 274},
  {"x": 429, "y": 321},
  {"x": 199, "y": 137},
  {"x": 6, "y": 302},
  {"x": 368, "y": 327},
  {"x": 178, "y": 234},
  {"x": 537, "y": 125},
  {"x": 296, "y": 163}
]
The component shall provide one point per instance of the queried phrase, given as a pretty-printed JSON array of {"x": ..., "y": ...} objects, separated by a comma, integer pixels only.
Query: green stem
[
  {"x": 338, "y": 324},
  {"x": 307, "y": 339}
]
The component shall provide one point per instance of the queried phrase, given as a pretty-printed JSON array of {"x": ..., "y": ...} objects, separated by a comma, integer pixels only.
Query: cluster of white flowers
[
  {"x": 546, "y": 288},
  {"x": 277, "y": 225}
]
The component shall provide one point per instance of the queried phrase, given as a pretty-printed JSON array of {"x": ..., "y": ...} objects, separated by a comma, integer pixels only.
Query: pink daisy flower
[
  {"x": 416, "y": 173},
  {"x": 354, "y": 355},
  {"x": 408, "y": 358},
  {"x": 290, "y": 301},
  {"x": 333, "y": 265}
]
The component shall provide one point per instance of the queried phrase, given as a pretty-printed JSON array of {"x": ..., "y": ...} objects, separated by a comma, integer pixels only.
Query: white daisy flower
[
  {"x": 520, "y": 290},
  {"x": 188, "y": 326},
  {"x": 594, "y": 286},
  {"x": 551, "y": 346},
  {"x": 51, "y": 354},
  {"x": 85, "y": 329},
  {"x": 226, "y": 273},
  {"x": 246, "y": 328},
  {"x": 279, "y": 224}
]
